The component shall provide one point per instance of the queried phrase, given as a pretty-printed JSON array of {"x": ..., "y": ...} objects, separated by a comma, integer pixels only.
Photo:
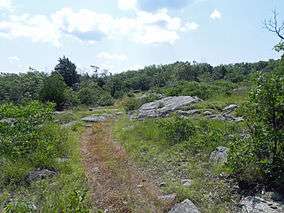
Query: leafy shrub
[
  {"x": 53, "y": 90},
  {"x": 262, "y": 156},
  {"x": 28, "y": 135},
  {"x": 71, "y": 97},
  {"x": 92, "y": 94},
  {"x": 176, "y": 129}
]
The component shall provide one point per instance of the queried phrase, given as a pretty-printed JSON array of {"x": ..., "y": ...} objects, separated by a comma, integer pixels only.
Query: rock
[
  {"x": 139, "y": 186},
  {"x": 96, "y": 118},
  {"x": 168, "y": 198},
  {"x": 225, "y": 117},
  {"x": 9, "y": 121},
  {"x": 186, "y": 182},
  {"x": 59, "y": 112},
  {"x": 40, "y": 174},
  {"x": 219, "y": 155},
  {"x": 165, "y": 106},
  {"x": 188, "y": 113},
  {"x": 70, "y": 124},
  {"x": 62, "y": 160},
  {"x": 254, "y": 204},
  {"x": 186, "y": 206},
  {"x": 207, "y": 113},
  {"x": 230, "y": 108}
]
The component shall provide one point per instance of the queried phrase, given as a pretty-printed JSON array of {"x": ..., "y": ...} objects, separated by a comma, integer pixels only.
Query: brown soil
[{"x": 116, "y": 184}]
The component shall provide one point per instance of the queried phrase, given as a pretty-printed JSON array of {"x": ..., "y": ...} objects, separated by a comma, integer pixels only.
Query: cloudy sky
[{"x": 129, "y": 34}]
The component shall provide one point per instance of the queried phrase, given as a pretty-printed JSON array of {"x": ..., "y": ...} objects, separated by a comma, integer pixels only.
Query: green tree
[
  {"x": 54, "y": 90},
  {"x": 68, "y": 71}
]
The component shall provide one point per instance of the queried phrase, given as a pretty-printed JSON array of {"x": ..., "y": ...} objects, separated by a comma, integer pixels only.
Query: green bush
[
  {"x": 176, "y": 129},
  {"x": 93, "y": 95},
  {"x": 28, "y": 135},
  {"x": 262, "y": 156},
  {"x": 53, "y": 90}
]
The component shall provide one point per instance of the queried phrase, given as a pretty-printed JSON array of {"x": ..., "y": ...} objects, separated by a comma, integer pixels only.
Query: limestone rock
[
  {"x": 97, "y": 118},
  {"x": 254, "y": 204},
  {"x": 40, "y": 174},
  {"x": 219, "y": 155},
  {"x": 186, "y": 206},
  {"x": 165, "y": 106},
  {"x": 230, "y": 107}
]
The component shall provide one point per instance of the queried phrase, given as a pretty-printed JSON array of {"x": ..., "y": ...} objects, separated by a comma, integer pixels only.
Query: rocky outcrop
[
  {"x": 254, "y": 204},
  {"x": 219, "y": 155},
  {"x": 40, "y": 174},
  {"x": 185, "y": 207},
  {"x": 165, "y": 106}
]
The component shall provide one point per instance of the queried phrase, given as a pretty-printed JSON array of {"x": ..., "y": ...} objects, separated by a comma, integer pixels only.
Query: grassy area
[
  {"x": 66, "y": 192},
  {"x": 52, "y": 148},
  {"x": 188, "y": 159}
]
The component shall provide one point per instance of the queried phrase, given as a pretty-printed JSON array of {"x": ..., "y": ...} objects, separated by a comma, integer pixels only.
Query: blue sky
[{"x": 128, "y": 34}]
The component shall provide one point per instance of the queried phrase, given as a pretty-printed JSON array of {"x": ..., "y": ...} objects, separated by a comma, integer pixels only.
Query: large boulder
[
  {"x": 254, "y": 204},
  {"x": 219, "y": 155},
  {"x": 185, "y": 207},
  {"x": 165, "y": 106}
]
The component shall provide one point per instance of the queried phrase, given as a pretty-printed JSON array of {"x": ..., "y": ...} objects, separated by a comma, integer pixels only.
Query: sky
[{"x": 120, "y": 35}]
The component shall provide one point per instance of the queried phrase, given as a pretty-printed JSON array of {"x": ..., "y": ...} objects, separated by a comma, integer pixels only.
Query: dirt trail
[{"x": 115, "y": 183}]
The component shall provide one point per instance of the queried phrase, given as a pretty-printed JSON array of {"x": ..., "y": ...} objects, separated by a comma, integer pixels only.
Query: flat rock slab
[
  {"x": 165, "y": 106},
  {"x": 96, "y": 118},
  {"x": 70, "y": 124},
  {"x": 186, "y": 206},
  {"x": 256, "y": 204}
]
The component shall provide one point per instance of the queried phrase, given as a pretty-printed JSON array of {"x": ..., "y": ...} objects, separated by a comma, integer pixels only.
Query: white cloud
[
  {"x": 111, "y": 56},
  {"x": 5, "y": 4},
  {"x": 89, "y": 26},
  {"x": 192, "y": 26},
  {"x": 127, "y": 4},
  {"x": 38, "y": 28},
  {"x": 13, "y": 59},
  {"x": 216, "y": 14}
]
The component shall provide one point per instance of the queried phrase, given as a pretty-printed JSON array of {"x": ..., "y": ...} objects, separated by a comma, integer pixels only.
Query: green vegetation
[
  {"x": 36, "y": 142},
  {"x": 155, "y": 146}
]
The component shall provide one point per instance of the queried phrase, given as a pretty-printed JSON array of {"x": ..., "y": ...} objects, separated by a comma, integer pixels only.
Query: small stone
[
  {"x": 139, "y": 186},
  {"x": 40, "y": 174},
  {"x": 186, "y": 182},
  {"x": 219, "y": 155},
  {"x": 162, "y": 184}
]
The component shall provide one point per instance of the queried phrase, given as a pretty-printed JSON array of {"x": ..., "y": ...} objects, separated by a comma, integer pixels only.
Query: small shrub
[{"x": 176, "y": 129}]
